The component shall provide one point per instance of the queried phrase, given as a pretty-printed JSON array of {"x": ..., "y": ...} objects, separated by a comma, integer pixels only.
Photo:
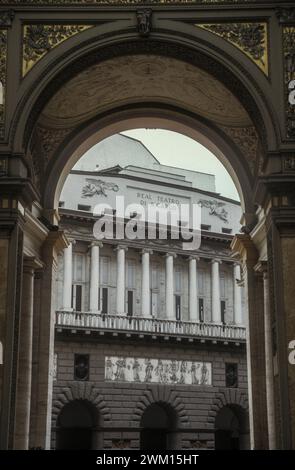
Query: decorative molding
[
  {"x": 250, "y": 38},
  {"x": 286, "y": 15},
  {"x": 161, "y": 394},
  {"x": 289, "y": 76},
  {"x": 215, "y": 208},
  {"x": 6, "y": 18},
  {"x": 39, "y": 39},
  {"x": 98, "y": 187},
  {"x": 3, "y": 64},
  {"x": 247, "y": 140},
  {"x": 80, "y": 391},
  {"x": 144, "y": 22}
]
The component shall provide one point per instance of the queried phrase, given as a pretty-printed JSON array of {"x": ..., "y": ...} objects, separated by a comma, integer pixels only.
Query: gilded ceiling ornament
[
  {"x": 289, "y": 77},
  {"x": 250, "y": 38},
  {"x": 38, "y": 39}
]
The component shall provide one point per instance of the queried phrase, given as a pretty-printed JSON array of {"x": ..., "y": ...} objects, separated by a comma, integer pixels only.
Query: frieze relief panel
[
  {"x": 250, "y": 38},
  {"x": 39, "y": 39},
  {"x": 161, "y": 371}
]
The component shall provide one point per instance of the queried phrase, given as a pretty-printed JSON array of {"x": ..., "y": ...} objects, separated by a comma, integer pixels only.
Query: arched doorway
[
  {"x": 158, "y": 425},
  {"x": 231, "y": 429},
  {"x": 76, "y": 426}
]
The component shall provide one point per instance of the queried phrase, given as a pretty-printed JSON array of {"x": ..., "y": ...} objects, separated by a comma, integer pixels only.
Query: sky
[{"x": 174, "y": 149}]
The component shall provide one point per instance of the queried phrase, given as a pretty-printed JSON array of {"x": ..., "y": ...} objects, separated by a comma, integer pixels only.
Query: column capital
[
  {"x": 191, "y": 258},
  {"x": 95, "y": 243},
  {"x": 146, "y": 250},
  {"x": 121, "y": 247},
  {"x": 219, "y": 261},
  {"x": 167, "y": 255},
  {"x": 32, "y": 263},
  {"x": 261, "y": 268}
]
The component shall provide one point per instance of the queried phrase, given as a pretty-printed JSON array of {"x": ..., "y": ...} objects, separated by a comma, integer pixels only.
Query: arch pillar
[{"x": 243, "y": 246}]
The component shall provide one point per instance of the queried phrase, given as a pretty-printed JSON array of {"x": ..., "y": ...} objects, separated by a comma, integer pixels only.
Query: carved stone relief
[
  {"x": 38, "y": 39},
  {"x": 142, "y": 78},
  {"x": 215, "y": 208},
  {"x": 121, "y": 2},
  {"x": 98, "y": 187},
  {"x": 247, "y": 140},
  {"x": 250, "y": 38}
]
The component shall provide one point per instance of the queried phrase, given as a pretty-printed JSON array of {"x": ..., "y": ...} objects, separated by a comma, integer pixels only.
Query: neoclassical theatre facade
[
  {"x": 73, "y": 73},
  {"x": 150, "y": 333}
]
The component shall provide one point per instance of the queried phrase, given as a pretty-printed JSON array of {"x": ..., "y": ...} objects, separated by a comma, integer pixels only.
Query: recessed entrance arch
[
  {"x": 158, "y": 425},
  {"x": 76, "y": 426},
  {"x": 231, "y": 429}
]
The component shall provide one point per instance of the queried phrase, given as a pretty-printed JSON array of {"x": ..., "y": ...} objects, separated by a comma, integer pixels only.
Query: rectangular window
[
  {"x": 77, "y": 297},
  {"x": 228, "y": 231},
  {"x": 79, "y": 267},
  {"x": 205, "y": 227},
  {"x": 81, "y": 367},
  {"x": 82, "y": 207},
  {"x": 201, "y": 310},
  {"x": 61, "y": 204},
  {"x": 231, "y": 375},
  {"x": 104, "y": 300},
  {"x": 155, "y": 304},
  {"x": 177, "y": 279},
  {"x": 130, "y": 274},
  {"x": 104, "y": 270},
  {"x": 222, "y": 285},
  {"x": 201, "y": 282},
  {"x": 178, "y": 307},
  {"x": 130, "y": 303},
  {"x": 223, "y": 311},
  {"x": 155, "y": 276}
]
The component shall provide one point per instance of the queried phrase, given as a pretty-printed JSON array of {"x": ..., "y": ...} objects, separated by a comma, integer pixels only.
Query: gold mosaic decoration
[
  {"x": 39, "y": 39},
  {"x": 250, "y": 38}
]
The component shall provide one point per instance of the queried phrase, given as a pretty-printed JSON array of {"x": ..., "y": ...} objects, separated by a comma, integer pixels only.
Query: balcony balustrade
[{"x": 148, "y": 326}]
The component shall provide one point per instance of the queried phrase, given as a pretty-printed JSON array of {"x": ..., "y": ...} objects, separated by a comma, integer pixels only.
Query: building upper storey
[{"x": 121, "y": 166}]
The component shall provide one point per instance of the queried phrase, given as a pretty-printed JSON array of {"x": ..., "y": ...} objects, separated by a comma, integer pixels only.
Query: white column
[
  {"x": 94, "y": 277},
  {"x": 120, "y": 296},
  {"x": 237, "y": 296},
  {"x": 193, "y": 290},
  {"x": 215, "y": 291},
  {"x": 170, "y": 315},
  {"x": 145, "y": 284},
  {"x": 67, "y": 287}
]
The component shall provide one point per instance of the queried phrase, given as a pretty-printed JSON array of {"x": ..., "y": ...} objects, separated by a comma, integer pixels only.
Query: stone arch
[
  {"x": 191, "y": 47},
  {"x": 162, "y": 395},
  {"x": 80, "y": 391},
  {"x": 227, "y": 397}
]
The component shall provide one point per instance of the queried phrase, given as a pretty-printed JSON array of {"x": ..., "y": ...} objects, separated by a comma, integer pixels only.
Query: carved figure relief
[
  {"x": 162, "y": 371},
  {"x": 98, "y": 187},
  {"x": 144, "y": 22},
  {"x": 3, "y": 62},
  {"x": 215, "y": 208}
]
